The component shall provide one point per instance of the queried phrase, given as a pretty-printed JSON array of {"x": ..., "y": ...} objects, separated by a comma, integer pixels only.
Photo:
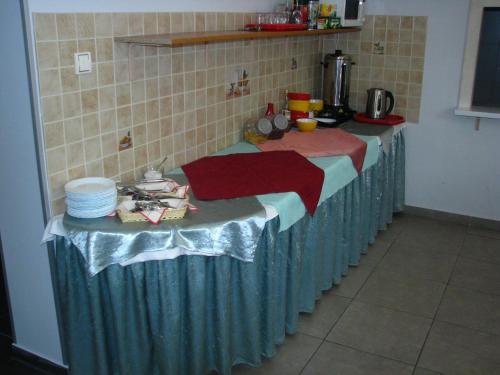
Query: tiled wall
[
  {"x": 172, "y": 100},
  {"x": 389, "y": 53}
]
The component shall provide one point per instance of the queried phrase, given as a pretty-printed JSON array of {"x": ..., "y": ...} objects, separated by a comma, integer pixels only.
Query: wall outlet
[{"x": 83, "y": 62}]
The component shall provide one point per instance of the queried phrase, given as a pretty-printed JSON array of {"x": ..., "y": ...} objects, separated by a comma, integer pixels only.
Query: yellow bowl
[
  {"x": 306, "y": 124},
  {"x": 298, "y": 105},
  {"x": 316, "y": 105}
]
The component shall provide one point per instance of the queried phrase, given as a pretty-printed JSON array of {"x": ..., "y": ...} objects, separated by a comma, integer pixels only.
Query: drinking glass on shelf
[{"x": 261, "y": 19}]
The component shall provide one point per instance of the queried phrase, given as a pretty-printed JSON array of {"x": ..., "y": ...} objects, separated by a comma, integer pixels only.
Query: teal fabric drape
[{"x": 194, "y": 314}]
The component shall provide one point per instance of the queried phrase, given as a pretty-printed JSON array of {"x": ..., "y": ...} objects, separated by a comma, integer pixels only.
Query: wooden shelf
[{"x": 186, "y": 39}]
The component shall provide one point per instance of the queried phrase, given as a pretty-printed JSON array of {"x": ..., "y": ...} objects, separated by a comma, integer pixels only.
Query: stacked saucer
[{"x": 90, "y": 197}]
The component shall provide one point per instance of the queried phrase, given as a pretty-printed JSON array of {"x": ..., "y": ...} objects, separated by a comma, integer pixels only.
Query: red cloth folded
[
  {"x": 321, "y": 142},
  {"x": 241, "y": 175}
]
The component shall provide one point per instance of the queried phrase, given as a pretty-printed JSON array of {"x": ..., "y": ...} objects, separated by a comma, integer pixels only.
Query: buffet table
[{"x": 196, "y": 313}]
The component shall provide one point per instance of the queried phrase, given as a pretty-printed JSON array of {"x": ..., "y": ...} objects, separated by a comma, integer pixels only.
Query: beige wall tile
[
  {"x": 49, "y": 82},
  {"x": 120, "y": 24},
  {"x": 74, "y": 152},
  {"x": 73, "y": 130},
  {"x": 107, "y": 97},
  {"x": 150, "y": 23},
  {"x": 67, "y": 49},
  {"x": 103, "y": 25},
  {"x": 47, "y": 53},
  {"x": 123, "y": 94},
  {"x": 139, "y": 113},
  {"x": 66, "y": 26},
  {"x": 56, "y": 184},
  {"x": 139, "y": 134},
  {"x": 109, "y": 143},
  {"x": 140, "y": 156},
  {"x": 53, "y": 134},
  {"x": 69, "y": 80},
  {"x": 90, "y": 101},
  {"x": 56, "y": 160},
  {"x": 199, "y": 22},
  {"x": 111, "y": 166},
  {"x": 45, "y": 26},
  {"x": 90, "y": 124},
  {"x": 92, "y": 147},
  {"x": 188, "y": 22},
  {"x": 71, "y": 105},
  {"x": 164, "y": 23},
  {"x": 94, "y": 169},
  {"x": 124, "y": 117},
  {"x": 87, "y": 45},
  {"x": 126, "y": 160},
  {"x": 89, "y": 80},
  {"x": 420, "y": 23},
  {"x": 407, "y": 22},
  {"x": 107, "y": 120},
  {"x": 176, "y": 22},
  {"x": 85, "y": 25},
  {"x": 152, "y": 110},
  {"x": 104, "y": 49},
  {"x": 105, "y": 74},
  {"x": 136, "y": 24},
  {"x": 52, "y": 108}
]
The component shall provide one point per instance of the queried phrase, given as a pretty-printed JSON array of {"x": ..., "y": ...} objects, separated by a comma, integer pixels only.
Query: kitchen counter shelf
[{"x": 185, "y": 39}]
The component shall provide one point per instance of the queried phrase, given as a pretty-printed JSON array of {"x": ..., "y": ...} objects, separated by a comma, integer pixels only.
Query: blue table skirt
[{"x": 194, "y": 314}]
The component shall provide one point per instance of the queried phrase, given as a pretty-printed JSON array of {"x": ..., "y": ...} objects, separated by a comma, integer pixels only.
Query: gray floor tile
[
  {"x": 291, "y": 358},
  {"x": 353, "y": 281},
  {"x": 484, "y": 233},
  {"x": 381, "y": 331},
  {"x": 475, "y": 275},
  {"x": 470, "y": 309},
  {"x": 375, "y": 252},
  {"x": 328, "y": 310},
  {"x": 394, "y": 229},
  {"x": 424, "y": 371},
  {"x": 417, "y": 263},
  {"x": 481, "y": 248},
  {"x": 333, "y": 359},
  {"x": 435, "y": 236},
  {"x": 456, "y": 350},
  {"x": 420, "y": 297}
]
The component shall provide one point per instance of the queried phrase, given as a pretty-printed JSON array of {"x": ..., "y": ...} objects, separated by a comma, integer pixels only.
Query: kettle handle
[{"x": 391, "y": 104}]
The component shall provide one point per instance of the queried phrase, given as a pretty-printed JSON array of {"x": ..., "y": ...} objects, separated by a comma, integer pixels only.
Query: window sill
[{"x": 479, "y": 112}]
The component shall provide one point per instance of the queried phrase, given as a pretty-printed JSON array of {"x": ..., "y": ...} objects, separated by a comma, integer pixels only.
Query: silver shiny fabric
[
  {"x": 384, "y": 132},
  {"x": 223, "y": 227}
]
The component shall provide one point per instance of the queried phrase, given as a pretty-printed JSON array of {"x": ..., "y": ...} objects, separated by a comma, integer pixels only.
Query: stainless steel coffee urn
[{"x": 336, "y": 79}]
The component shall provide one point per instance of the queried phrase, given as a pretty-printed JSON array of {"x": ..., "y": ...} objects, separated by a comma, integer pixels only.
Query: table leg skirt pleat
[{"x": 194, "y": 314}]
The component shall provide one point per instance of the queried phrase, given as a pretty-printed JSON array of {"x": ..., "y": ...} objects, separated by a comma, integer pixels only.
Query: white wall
[
  {"x": 26, "y": 263},
  {"x": 450, "y": 166},
  {"x": 58, "y": 6}
]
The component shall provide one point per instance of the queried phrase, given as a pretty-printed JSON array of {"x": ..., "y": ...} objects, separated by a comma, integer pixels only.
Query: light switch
[{"x": 83, "y": 62}]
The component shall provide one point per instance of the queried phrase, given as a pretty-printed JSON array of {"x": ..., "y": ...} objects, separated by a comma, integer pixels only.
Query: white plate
[
  {"x": 89, "y": 186},
  {"x": 325, "y": 120}
]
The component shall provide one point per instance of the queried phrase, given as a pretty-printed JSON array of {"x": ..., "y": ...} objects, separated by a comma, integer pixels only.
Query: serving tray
[{"x": 389, "y": 120}]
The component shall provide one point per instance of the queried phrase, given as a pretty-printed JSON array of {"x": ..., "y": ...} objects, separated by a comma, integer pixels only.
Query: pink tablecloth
[{"x": 321, "y": 142}]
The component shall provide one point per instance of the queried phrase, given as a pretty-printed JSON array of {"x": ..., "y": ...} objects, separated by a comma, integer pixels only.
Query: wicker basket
[{"x": 169, "y": 214}]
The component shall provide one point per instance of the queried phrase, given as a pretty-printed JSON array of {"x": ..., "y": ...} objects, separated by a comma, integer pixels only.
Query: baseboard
[
  {"x": 34, "y": 361},
  {"x": 473, "y": 222}
]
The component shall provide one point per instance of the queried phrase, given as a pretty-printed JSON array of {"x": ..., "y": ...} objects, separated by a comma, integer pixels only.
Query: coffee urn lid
[{"x": 338, "y": 55}]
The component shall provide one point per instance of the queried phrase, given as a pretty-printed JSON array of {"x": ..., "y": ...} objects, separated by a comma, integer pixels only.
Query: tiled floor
[{"x": 424, "y": 301}]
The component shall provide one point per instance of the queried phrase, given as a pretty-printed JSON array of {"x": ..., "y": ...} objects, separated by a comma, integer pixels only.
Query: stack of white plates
[{"x": 90, "y": 197}]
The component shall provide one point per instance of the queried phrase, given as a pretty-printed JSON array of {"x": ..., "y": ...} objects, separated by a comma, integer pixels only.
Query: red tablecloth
[{"x": 240, "y": 175}]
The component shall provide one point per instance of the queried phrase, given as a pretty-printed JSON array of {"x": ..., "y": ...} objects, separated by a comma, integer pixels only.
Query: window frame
[{"x": 471, "y": 53}]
